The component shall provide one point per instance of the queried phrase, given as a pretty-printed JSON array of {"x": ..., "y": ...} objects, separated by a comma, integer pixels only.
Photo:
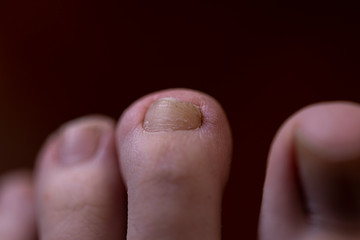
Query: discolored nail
[{"x": 170, "y": 114}]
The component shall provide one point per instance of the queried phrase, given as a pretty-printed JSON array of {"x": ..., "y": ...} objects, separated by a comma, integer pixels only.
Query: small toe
[
  {"x": 79, "y": 191},
  {"x": 17, "y": 218}
]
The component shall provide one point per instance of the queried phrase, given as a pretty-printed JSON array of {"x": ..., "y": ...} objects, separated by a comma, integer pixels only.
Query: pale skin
[{"x": 160, "y": 170}]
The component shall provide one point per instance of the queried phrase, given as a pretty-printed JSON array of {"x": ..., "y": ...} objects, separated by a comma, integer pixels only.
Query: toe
[
  {"x": 312, "y": 184},
  {"x": 79, "y": 192},
  {"x": 174, "y": 148},
  {"x": 17, "y": 218},
  {"x": 327, "y": 141}
]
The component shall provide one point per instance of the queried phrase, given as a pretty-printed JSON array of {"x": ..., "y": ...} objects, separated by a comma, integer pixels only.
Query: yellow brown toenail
[{"x": 170, "y": 114}]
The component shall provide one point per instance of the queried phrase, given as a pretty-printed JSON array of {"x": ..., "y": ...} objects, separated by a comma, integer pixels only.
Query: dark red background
[{"x": 263, "y": 61}]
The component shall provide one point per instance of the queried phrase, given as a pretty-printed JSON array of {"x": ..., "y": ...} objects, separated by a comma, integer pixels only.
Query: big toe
[
  {"x": 313, "y": 178},
  {"x": 174, "y": 149}
]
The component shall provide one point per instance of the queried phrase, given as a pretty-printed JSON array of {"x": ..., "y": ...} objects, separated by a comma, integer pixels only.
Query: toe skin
[
  {"x": 17, "y": 218},
  {"x": 81, "y": 196},
  {"x": 174, "y": 178}
]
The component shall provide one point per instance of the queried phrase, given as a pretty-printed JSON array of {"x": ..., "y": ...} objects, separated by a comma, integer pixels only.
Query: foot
[{"x": 157, "y": 174}]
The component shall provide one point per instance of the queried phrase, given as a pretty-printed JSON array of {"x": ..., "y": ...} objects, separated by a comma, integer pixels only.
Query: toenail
[
  {"x": 80, "y": 142},
  {"x": 170, "y": 114}
]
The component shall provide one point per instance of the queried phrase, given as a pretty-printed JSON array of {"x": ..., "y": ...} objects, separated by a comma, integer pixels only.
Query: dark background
[{"x": 61, "y": 59}]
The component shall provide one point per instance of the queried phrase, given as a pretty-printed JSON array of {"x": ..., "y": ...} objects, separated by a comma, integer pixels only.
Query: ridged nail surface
[{"x": 170, "y": 114}]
